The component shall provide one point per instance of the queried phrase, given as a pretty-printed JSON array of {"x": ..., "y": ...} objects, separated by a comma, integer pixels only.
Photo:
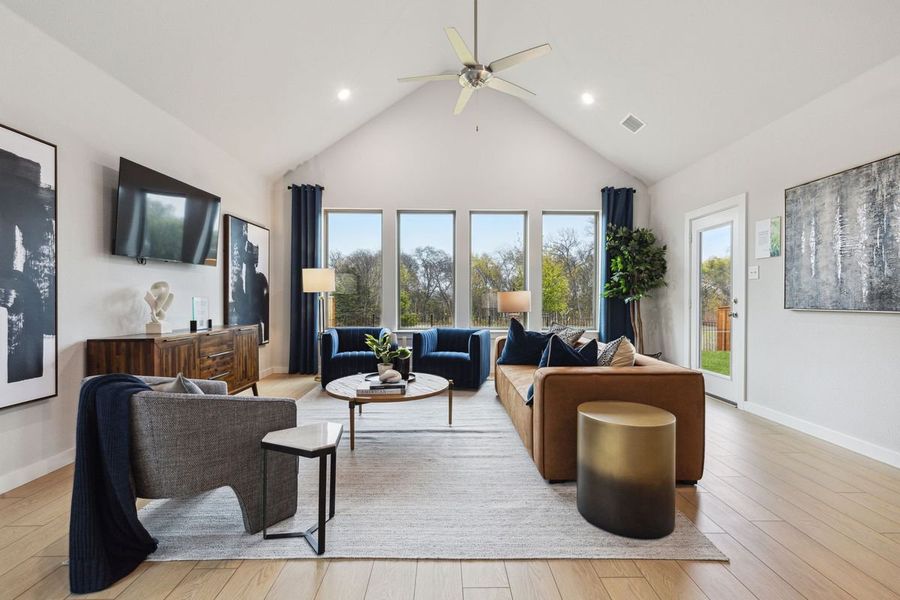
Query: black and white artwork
[
  {"x": 842, "y": 240},
  {"x": 247, "y": 275},
  {"x": 27, "y": 268}
]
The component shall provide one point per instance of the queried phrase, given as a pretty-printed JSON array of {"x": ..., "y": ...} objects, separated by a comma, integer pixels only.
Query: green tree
[
  {"x": 638, "y": 266},
  {"x": 555, "y": 291},
  {"x": 715, "y": 285}
]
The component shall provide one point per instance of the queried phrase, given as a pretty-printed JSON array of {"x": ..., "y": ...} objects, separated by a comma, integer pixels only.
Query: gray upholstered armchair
[{"x": 183, "y": 444}]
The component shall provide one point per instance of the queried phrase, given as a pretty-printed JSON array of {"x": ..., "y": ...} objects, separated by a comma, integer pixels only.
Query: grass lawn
[{"x": 717, "y": 362}]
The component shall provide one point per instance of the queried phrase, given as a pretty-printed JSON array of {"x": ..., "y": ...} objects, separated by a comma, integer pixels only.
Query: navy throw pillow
[
  {"x": 523, "y": 347},
  {"x": 560, "y": 354}
]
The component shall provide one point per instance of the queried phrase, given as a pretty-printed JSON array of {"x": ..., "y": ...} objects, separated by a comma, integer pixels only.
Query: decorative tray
[{"x": 374, "y": 377}]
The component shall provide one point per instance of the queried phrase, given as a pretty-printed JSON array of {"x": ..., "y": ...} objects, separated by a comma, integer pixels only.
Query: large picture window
[
  {"x": 353, "y": 250},
  {"x": 569, "y": 268},
  {"x": 426, "y": 282},
  {"x": 497, "y": 263}
]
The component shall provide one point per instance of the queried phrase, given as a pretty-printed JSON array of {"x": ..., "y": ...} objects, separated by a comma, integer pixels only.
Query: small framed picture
[{"x": 200, "y": 311}]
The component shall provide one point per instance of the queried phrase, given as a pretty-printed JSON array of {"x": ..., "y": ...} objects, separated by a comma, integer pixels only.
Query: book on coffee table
[{"x": 380, "y": 389}]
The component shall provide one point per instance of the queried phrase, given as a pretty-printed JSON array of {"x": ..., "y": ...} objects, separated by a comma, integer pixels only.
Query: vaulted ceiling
[{"x": 260, "y": 78}]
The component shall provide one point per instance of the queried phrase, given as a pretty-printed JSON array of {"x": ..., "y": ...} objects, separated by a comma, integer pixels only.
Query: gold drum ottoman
[{"x": 626, "y": 468}]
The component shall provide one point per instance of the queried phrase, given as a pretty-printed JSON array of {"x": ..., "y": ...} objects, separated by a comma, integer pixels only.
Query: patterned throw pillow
[
  {"x": 560, "y": 354},
  {"x": 569, "y": 335},
  {"x": 179, "y": 385},
  {"x": 617, "y": 353}
]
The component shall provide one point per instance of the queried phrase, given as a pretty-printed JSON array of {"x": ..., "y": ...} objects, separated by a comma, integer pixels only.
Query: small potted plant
[{"x": 384, "y": 352}]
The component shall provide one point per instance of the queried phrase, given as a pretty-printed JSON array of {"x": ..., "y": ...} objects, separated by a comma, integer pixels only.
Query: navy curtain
[
  {"x": 618, "y": 210},
  {"x": 306, "y": 236}
]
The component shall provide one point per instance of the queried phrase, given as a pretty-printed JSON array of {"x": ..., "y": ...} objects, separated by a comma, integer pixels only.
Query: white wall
[
  {"x": 417, "y": 155},
  {"x": 53, "y": 94},
  {"x": 832, "y": 374}
]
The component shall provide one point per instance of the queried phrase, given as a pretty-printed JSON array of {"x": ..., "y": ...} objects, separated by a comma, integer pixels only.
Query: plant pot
[{"x": 382, "y": 367}]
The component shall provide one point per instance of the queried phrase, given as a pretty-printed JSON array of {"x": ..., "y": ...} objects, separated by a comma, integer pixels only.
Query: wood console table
[{"x": 230, "y": 354}]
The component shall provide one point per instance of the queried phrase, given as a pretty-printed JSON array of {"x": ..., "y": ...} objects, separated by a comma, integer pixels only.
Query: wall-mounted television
[{"x": 161, "y": 218}]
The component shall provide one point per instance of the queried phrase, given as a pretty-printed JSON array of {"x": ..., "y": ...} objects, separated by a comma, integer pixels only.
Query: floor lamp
[
  {"x": 321, "y": 282},
  {"x": 512, "y": 303}
]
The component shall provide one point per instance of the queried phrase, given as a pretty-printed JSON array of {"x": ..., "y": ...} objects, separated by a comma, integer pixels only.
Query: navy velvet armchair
[
  {"x": 463, "y": 355},
  {"x": 344, "y": 352}
]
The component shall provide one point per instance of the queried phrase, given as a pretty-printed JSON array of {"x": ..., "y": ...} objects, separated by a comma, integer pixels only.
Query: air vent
[{"x": 632, "y": 123}]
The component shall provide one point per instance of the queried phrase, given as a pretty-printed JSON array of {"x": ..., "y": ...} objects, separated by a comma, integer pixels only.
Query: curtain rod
[{"x": 293, "y": 185}]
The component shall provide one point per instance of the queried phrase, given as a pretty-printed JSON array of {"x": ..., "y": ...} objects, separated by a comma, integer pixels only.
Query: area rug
[{"x": 418, "y": 488}]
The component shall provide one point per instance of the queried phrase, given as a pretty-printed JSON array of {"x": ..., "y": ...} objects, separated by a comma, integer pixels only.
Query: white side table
[{"x": 315, "y": 440}]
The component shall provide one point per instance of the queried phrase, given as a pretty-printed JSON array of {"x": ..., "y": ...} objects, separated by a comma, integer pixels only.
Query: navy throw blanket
[{"x": 106, "y": 539}]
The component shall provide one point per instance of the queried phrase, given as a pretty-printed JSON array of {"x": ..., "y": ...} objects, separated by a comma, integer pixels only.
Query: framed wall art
[
  {"x": 247, "y": 275},
  {"x": 842, "y": 240},
  {"x": 28, "y": 319}
]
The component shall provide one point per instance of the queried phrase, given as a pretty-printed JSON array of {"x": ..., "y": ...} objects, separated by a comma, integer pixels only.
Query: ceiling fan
[{"x": 475, "y": 75}]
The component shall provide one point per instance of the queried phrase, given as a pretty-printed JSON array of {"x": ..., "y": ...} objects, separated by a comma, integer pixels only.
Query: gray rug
[{"x": 416, "y": 488}]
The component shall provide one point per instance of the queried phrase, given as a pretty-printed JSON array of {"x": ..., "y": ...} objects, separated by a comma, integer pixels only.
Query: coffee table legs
[
  {"x": 315, "y": 535},
  {"x": 450, "y": 403},
  {"x": 352, "y": 425}
]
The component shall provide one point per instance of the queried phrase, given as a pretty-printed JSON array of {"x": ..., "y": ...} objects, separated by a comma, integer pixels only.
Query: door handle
[{"x": 734, "y": 315}]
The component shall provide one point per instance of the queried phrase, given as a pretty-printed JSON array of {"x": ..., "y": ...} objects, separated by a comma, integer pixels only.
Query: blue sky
[
  {"x": 493, "y": 231},
  {"x": 554, "y": 223},
  {"x": 715, "y": 242},
  {"x": 418, "y": 230},
  {"x": 351, "y": 231}
]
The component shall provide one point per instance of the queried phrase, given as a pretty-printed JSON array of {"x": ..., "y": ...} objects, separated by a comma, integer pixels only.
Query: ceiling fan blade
[
  {"x": 519, "y": 57},
  {"x": 501, "y": 85},
  {"x": 464, "y": 95},
  {"x": 459, "y": 46},
  {"x": 439, "y": 77}
]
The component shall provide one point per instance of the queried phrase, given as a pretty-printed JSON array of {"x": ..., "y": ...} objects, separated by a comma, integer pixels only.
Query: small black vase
[{"x": 402, "y": 365}]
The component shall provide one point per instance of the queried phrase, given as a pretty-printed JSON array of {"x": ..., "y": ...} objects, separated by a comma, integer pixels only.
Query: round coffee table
[{"x": 425, "y": 386}]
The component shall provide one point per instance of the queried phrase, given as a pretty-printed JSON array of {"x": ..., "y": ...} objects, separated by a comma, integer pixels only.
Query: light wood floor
[{"x": 797, "y": 516}]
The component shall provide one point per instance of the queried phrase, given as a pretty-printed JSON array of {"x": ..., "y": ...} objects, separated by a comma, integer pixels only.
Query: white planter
[{"x": 382, "y": 367}]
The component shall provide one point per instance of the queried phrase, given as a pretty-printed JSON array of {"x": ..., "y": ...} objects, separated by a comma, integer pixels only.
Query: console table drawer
[
  {"x": 212, "y": 344},
  {"x": 213, "y": 365}
]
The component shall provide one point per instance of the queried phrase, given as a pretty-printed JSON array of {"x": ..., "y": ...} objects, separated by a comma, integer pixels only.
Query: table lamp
[
  {"x": 518, "y": 302},
  {"x": 321, "y": 282}
]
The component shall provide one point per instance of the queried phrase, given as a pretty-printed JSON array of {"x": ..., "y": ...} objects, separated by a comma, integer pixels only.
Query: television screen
[{"x": 161, "y": 218}]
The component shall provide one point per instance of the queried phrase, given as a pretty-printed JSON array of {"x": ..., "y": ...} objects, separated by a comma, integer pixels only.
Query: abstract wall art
[
  {"x": 842, "y": 240},
  {"x": 247, "y": 275},
  {"x": 28, "y": 366}
]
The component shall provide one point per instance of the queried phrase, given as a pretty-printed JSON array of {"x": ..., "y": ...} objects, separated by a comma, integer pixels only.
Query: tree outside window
[
  {"x": 569, "y": 270},
  {"x": 426, "y": 267},
  {"x": 353, "y": 250}
]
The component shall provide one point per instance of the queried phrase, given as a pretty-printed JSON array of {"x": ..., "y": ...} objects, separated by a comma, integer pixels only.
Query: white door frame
[{"x": 739, "y": 371}]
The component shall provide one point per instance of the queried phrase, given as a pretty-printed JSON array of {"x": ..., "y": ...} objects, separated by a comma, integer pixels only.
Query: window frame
[
  {"x": 399, "y": 235},
  {"x": 325, "y": 253},
  {"x": 598, "y": 254},
  {"x": 512, "y": 211}
]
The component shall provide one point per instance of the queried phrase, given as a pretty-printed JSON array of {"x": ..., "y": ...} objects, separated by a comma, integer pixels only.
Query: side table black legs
[{"x": 298, "y": 442}]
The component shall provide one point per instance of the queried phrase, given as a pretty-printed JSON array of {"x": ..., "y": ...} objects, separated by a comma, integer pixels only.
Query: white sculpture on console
[{"x": 160, "y": 299}]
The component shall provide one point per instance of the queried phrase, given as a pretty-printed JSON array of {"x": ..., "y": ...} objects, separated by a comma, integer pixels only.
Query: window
[
  {"x": 569, "y": 267},
  {"x": 497, "y": 263},
  {"x": 353, "y": 250},
  {"x": 426, "y": 282}
]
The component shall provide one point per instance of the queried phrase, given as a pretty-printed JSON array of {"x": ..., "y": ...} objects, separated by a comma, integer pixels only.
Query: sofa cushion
[
  {"x": 523, "y": 347},
  {"x": 442, "y": 356},
  {"x": 560, "y": 354},
  {"x": 520, "y": 376}
]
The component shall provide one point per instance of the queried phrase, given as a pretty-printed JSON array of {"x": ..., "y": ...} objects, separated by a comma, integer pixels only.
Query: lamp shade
[
  {"x": 318, "y": 280},
  {"x": 514, "y": 302}
]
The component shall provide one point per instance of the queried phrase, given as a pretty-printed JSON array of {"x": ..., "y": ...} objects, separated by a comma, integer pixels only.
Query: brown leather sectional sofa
[{"x": 549, "y": 427}]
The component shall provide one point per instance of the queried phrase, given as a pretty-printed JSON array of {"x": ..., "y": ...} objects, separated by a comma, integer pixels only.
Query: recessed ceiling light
[
  {"x": 587, "y": 98},
  {"x": 343, "y": 95}
]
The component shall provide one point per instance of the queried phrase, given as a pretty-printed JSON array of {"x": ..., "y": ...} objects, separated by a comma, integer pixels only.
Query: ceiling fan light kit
[{"x": 474, "y": 75}]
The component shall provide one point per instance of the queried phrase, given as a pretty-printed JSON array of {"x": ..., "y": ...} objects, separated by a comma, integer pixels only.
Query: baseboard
[
  {"x": 31, "y": 472},
  {"x": 874, "y": 451}
]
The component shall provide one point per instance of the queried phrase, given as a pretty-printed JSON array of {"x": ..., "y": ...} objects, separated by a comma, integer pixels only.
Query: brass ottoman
[{"x": 626, "y": 468}]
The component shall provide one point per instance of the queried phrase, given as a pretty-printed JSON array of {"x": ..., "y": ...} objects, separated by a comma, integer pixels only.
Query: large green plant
[
  {"x": 383, "y": 350},
  {"x": 637, "y": 266}
]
